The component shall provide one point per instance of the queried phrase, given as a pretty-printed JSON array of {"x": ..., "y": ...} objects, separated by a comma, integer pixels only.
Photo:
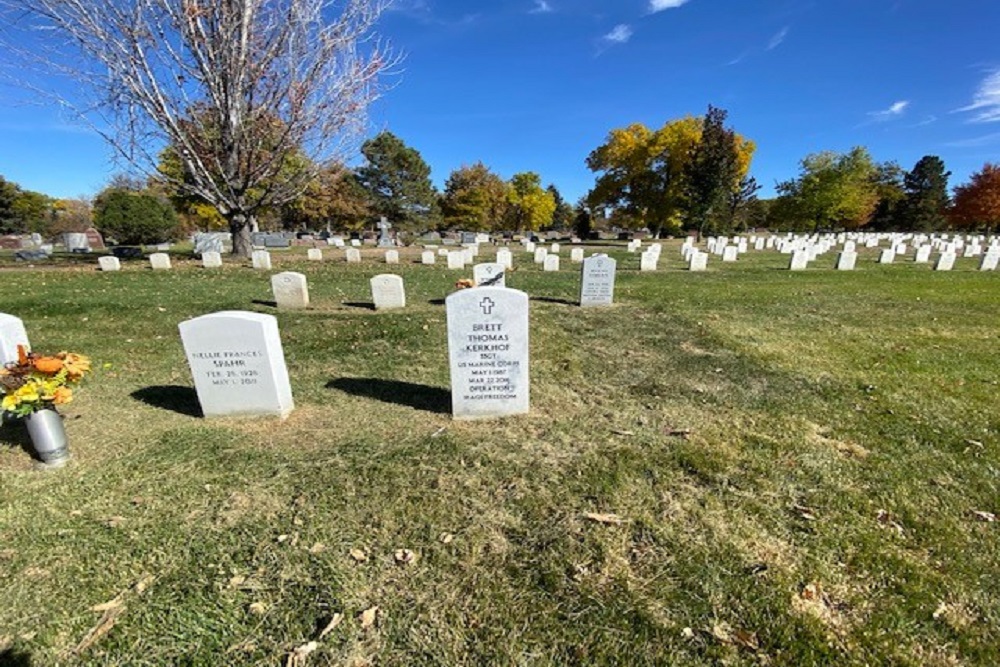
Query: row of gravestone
[{"x": 238, "y": 364}]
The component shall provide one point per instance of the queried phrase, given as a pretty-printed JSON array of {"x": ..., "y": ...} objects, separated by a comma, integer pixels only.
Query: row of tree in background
[{"x": 690, "y": 175}]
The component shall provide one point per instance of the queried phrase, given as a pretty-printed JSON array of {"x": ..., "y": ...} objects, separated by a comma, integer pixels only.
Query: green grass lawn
[{"x": 792, "y": 463}]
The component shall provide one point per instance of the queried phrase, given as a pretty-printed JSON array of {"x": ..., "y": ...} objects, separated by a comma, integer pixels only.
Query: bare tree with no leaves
[{"x": 252, "y": 97}]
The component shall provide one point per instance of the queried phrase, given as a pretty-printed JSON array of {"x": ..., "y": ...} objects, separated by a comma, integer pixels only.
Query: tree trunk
[{"x": 239, "y": 225}]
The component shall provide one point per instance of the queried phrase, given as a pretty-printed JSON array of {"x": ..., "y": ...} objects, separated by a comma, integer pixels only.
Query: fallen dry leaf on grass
[
  {"x": 747, "y": 640},
  {"x": 104, "y": 625},
  {"x": 319, "y": 547},
  {"x": 805, "y": 512},
  {"x": 620, "y": 432},
  {"x": 446, "y": 538},
  {"x": 939, "y": 612},
  {"x": 358, "y": 555},
  {"x": 988, "y": 517},
  {"x": 258, "y": 608},
  {"x": 613, "y": 519},
  {"x": 300, "y": 655},
  {"x": 368, "y": 617},
  {"x": 334, "y": 622},
  {"x": 109, "y": 605},
  {"x": 405, "y": 557}
]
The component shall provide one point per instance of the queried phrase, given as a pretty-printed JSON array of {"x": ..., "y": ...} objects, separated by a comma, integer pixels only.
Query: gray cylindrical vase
[{"x": 48, "y": 436}]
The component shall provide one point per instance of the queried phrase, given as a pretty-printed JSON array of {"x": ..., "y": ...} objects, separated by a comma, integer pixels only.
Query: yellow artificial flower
[
  {"x": 10, "y": 402},
  {"x": 28, "y": 393}
]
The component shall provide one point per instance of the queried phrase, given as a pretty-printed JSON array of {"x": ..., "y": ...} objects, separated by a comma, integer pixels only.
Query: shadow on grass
[
  {"x": 551, "y": 299},
  {"x": 14, "y": 433},
  {"x": 269, "y": 304},
  {"x": 436, "y": 302},
  {"x": 416, "y": 396},
  {"x": 14, "y": 658},
  {"x": 183, "y": 400},
  {"x": 360, "y": 304}
]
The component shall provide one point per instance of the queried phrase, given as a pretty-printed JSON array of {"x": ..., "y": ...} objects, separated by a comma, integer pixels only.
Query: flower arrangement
[
  {"x": 465, "y": 283},
  {"x": 36, "y": 382}
]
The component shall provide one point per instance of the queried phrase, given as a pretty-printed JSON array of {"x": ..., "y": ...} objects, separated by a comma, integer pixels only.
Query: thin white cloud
[
  {"x": 894, "y": 111},
  {"x": 778, "y": 38},
  {"x": 986, "y": 101},
  {"x": 926, "y": 121},
  {"x": 976, "y": 142},
  {"x": 738, "y": 59},
  {"x": 620, "y": 34},
  {"x": 660, "y": 5},
  {"x": 541, "y": 7}
]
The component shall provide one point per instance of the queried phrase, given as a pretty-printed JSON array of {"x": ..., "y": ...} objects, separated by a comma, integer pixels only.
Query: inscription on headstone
[
  {"x": 597, "y": 281},
  {"x": 488, "y": 352},
  {"x": 290, "y": 290}
]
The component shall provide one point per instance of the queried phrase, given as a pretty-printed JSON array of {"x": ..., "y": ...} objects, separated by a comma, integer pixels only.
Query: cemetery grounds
[{"x": 747, "y": 466}]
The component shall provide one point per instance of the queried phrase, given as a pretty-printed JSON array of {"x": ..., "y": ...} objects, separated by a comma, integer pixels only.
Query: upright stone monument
[
  {"x": 160, "y": 261},
  {"x": 238, "y": 364},
  {"x": 291, "y": 291},
  {"x": 12, "y": 334},
  {"x": 491, "y": 274},
  {"x": 597, "y": 281},
  {"x": 387, "y": 292},
  {"x": 384, "y": 240},
  {"x": 211, "y": 259},
  {"x": 488, "y": 352},
  {"x": 261, "y": 259},
  {"x": 109, "y": 263}
]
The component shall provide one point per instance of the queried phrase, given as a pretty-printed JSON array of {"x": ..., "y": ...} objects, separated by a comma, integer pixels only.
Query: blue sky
[{"x": 535, "y": 85}]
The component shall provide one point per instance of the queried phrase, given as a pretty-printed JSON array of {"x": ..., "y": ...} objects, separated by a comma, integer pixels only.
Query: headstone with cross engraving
[
  {"x": 488, "y": 352},
  {"x": 489, "y": 275}
]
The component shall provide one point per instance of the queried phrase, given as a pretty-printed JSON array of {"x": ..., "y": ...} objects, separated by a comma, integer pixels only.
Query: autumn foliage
[{"x": 977, "y": 203}]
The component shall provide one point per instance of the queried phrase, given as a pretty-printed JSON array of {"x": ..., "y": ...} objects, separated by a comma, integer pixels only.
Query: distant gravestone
[
  {"x": 731, "y": 253},
  {"x": 427, "y": 257},
  {"x": 211, "y": 259},
  {"x": 923, "y": 255},
  {"x": 846, "y": 260},
  {"x": 12, "y": 334},
  {"x": 505, "y": 258},
  {"x": 887, "y": 256},
  {"x": 291, "y": 291},
  {"x": 392, "y": 257},
  {"x": 109, "y": 263},
  {"x": 799, "y": 260},
  {"x": 551, "y": 263},
  {"x": 127, "y": 252},
  {"x": 11, "y": 242},
  {"x": 529, "y": 247},
  {"x": 554, "y": 248},
  {"x": 387, "y": 292},
  {"x": 443, "y": 252},
  {"x": 989, "y": 261},
  {"x": 314, "y": 255},
  {"x": 384, "y": 240},
  {"x": 597, "y": 281},
  {"x": 648, "y": 261},
  {"x": 94, "y": 239},
  {"x": 353, "y": 255},
  {"x": 261, "y": 259},
  {"x": 355, "y": 243},
  {"x": 76, "y": 241},
  {"x": 456, "y": 259},
  {"x": 31, "y": 256},
  {"x": 160, "y": 261},
  {"x": 489, "y": 275},
  {"x": 488, "y": 352},
  {"x": 698, "y": 261},
  {"x": 576, "y": 255},
  {"x": 945, "y": 262},
  {"x": 540, "y": 255},
  {"x": 238, "y": 364},
  {"x": 208, "y": 243}
]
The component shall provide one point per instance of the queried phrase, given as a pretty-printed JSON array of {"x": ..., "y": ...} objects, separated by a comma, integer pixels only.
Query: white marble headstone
[
  {"x": 576, "y": 255},
  {"x": 238, "y": 364},
  {"x": 387, "y": 291},
  {"x": 505, "y": 258},
  {"x": 261, "y": 259},
  {"x": 731, "y": 253},
  {"x": 698, "y": 261},
  {"x": 551, "y": 263},
  {"x": 314, "y": 255},
  {"x": 799, "y": 260},
  {"x": 109, "y": 263},
  {"x": 488, "y": 352},
  {"x": 887, "y": 256},
  {"x": 12, "y": 334},
  {"x": 540, "y": 255},
  {"x": 353, "y": 255},
  {"x": 211, "y": 259},
  {"x": 846, "y": 260},
  {"x": 945, "y": 261},
  {"x": 489, "y": 274},
  {"x": 290, "y": 290},
  {"x": 427, "y": 257},
  {"x": 392, "y": 257},
  {"x": 989, "y": 261},
  {"x": 648, "y": 261},
  {"x": 597, "y": 281},
  {"x": 159, "y": 261},
  {"x": 456, "y": 259}
]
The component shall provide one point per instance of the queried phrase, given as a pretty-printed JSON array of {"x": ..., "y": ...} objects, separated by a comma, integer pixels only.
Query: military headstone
[
  {"x": 387, "y": 291},
  {"x": 490, "y": 274},
  {"x": 109, "y": 263},
  {"x": 261, "y": 259},
  {"x": 160, "y": 261},
  {"x": 290, "y": 289},
  {"x": 597, "y": 281},
  {"x": 12, "y": 334}
]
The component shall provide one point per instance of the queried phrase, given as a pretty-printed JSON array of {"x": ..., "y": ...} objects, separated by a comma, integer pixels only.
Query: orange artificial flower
[
  {"x": 22, "y": 355},
  {"x": 62, "y": 395},
  {"x": 48, "y": 365},
  {"x": 75, "y": 364}
]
